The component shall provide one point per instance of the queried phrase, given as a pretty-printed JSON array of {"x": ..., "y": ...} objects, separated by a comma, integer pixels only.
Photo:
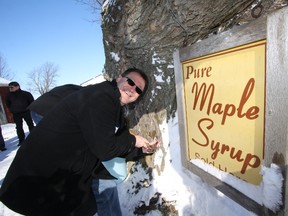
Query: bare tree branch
[
  {"x": 4, "y": 69},
  {"x": 43, "y": 79},
  {"x": 95, "y": 5}
]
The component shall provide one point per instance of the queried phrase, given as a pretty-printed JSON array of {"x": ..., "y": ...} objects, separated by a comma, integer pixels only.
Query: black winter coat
[
  {"x": 47, "y": 101},
  {"x": 43, "y": 104},
  {"x": 18, "y": 101},
  {"x": 51, "y": 172}
]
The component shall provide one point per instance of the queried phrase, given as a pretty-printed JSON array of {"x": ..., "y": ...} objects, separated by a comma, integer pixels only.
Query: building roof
[
  {"x": 97, "y": 79},
  {"x": 4, "y": 82}
]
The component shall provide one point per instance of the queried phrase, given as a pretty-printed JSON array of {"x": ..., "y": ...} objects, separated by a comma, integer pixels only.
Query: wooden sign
[{"x": 224, "y": 95}]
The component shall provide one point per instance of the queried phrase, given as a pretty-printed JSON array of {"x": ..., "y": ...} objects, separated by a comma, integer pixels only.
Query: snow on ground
[{"x": 191, "y": 195}]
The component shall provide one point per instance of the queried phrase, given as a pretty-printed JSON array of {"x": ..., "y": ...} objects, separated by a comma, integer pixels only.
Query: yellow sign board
[{"x": 225, "y": 109}]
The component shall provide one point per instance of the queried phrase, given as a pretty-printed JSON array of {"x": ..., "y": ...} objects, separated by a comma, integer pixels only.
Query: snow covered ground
[{"x": 190, "y": 195}]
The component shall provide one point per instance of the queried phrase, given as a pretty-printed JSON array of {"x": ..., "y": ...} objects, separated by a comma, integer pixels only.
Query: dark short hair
[
  {"x": 13, "y": 84},
  {"x": 142, "y": 74}
]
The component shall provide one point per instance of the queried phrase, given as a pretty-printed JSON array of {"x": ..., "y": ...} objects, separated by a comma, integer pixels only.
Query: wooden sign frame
[{"x": 245, "y": 34}]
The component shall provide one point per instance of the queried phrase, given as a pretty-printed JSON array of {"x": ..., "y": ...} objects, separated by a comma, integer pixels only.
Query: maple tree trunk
[{"x": 144, "y": 34}]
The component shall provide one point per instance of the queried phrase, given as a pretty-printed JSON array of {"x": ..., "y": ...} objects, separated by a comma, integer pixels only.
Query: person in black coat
[
  {"x": 51, "y": 173},
  {"x": 106, "y": 178},
  {"x": 17, "y": 102}
]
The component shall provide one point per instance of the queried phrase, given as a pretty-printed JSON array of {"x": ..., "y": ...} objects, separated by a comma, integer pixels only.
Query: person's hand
[
  {"x": 152, "y": 147},
  {"x": 141, "y": 142}
]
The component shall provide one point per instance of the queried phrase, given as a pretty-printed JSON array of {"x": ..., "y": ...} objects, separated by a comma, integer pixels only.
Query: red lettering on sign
[
  {"x": 249, "y": 160},
  {"x": 205, "y": 95},
  {"x": 198, "y": 72}
]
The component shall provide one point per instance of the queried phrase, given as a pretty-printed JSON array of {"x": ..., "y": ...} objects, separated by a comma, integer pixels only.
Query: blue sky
[{"x": 34, "y": 32}]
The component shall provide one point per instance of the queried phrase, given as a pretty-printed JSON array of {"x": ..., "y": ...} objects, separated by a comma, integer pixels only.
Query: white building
[{"x": 97, "y": 79}]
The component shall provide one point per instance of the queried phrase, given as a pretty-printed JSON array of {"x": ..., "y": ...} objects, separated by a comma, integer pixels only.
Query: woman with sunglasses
[{"x": 51, "y": 173}]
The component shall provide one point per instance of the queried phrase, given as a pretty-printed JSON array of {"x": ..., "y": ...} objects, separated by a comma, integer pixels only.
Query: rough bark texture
[{"x": 145, "y": 33}]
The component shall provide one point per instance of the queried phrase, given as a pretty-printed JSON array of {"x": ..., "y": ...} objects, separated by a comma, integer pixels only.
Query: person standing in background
[{"x": 17, "y": 102}]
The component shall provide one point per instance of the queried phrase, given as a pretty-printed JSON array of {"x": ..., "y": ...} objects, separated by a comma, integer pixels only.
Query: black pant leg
[
  {"x": 19, "y": 126},
  {"x": 28, "y": 119}
]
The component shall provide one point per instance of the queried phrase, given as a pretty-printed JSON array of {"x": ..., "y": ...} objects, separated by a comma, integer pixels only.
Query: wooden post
[{"x": 276, "y": 130}]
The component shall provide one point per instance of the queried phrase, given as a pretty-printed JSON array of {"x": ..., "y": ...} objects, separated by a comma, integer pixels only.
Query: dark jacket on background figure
[
  {"x": 51, "y": 172},
  {"x": 18, "y": 101}
]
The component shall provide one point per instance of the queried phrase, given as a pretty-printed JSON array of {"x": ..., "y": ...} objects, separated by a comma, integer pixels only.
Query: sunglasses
[{"x": 132, "y": 83}]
